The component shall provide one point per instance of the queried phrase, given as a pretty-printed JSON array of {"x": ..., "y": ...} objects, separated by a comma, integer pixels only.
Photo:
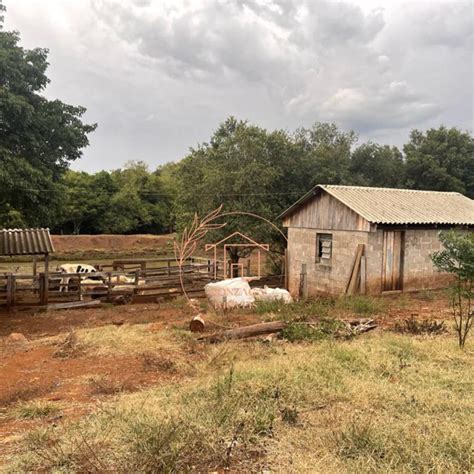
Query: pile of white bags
[
  {"x": 231, "y": 293},
  {"x": 271, "y": 294},
  {"x": 236, "y": 293}
]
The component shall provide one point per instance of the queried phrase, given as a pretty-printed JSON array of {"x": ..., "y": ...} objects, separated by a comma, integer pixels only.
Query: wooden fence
[{"x": 142, "y": 282}]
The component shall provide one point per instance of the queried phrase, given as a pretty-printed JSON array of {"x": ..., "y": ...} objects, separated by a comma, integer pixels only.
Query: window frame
[{"x": 324, "y": 240}]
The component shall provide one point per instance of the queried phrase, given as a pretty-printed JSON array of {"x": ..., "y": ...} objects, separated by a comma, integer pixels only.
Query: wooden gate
[{"x": 392, "y": 271}]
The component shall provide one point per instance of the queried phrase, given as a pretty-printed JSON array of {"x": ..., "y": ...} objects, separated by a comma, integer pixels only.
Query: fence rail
[{"x": 132, "y": 278}]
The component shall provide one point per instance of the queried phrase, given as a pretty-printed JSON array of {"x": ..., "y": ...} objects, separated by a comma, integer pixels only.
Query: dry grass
[
  {"x": 383, "y": 402},
  {"x": 35, "y": 409}
]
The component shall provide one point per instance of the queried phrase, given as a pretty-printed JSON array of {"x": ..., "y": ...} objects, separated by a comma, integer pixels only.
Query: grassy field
[{"x": 380, "y": 402}]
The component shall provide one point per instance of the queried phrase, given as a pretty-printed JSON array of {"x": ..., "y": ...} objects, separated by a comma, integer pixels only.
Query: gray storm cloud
[{"x": 158, "y": 76}]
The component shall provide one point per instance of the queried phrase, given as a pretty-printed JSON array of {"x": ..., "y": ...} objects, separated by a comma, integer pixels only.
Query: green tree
[
  {"x": 372, "y": 164},
  {"x": 242, "y": 168},
  {"x": 326, "y": 154},
  {"x": 38, "y": 137},
  {"x": 86, "y": 199},
  {"x": 441, "y": 159},
  {"x": 457, "y": 258}
]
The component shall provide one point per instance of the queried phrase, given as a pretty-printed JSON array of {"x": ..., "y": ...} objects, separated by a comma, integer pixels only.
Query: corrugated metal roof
[
  {"x": 398, "y": 206},
  {"x": 25, "y": 242}
]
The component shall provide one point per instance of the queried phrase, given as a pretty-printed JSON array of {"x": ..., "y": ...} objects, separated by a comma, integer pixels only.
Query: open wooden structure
[
  {"x": 225, "y": 244},
  {"x": 26, "y": 242}
]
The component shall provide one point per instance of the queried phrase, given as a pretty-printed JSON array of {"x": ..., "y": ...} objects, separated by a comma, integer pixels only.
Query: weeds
[
  {"x": 104, "y": 385},
  {"x": 152, "y": 362},
  {"x": 36, "y": 409},
  {"x": 297, "y": 311},
  {"x": 322, "y": 329},
  {"x": 425, "y": 326},
  {"x": 267, "y": 411},
  {"x": 365, "y": 305}
]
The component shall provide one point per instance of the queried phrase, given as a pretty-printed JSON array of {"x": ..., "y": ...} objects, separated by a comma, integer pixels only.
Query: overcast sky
[{"x": 158, "y": 76}]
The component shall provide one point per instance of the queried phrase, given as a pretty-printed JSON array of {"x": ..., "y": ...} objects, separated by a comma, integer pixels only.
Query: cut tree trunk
[
  {"x": 197, "y": 324},
  {"x": 247, "y": 331}
]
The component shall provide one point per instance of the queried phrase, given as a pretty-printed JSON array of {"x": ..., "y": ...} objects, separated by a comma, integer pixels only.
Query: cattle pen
[{"x": 134, "y": 280}]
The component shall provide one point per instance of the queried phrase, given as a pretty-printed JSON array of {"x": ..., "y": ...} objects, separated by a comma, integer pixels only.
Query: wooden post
[
  {"x": 362, "y": 275},
  {"x": 286, "y": 269},
  {"x": 248, "y": 267},
  {"x": 35, "y": 265},
  {"x": 258, "y": 260},
  {"x": 79, "y": 288},
  {"x": 9, "y": 290},
  {"x": 216, "y": 265},
  {"x": 303, "y": 289},
  {"x": 169, "y": 267},
  {"x": 354, "y": 277},
  {"x": 109, "y": 285},
  {"x": 225, "y": 261},
  {"x": 43, "y": 280},
  {"x": 137, "y": 277},
  {"x": 46, "y": 265}
]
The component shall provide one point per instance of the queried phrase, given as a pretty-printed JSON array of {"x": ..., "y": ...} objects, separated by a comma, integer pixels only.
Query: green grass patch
[
  {"x": 36, "y": 409},
  {"x": 264, "y": 412},
  {"x": 363, "y": 305}
]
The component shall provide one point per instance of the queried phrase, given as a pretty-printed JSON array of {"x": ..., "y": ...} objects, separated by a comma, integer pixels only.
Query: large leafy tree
[
  {"x": 241, "y": 167},
  {"x": 326, "y": 154},
  {"x": 86, "y": 199},
  {"x": 249, "y": 169},
  {"x": 441, "y": 159},
  {"x": 39, "y": 138},
  {"x": 372, "y": 164}
]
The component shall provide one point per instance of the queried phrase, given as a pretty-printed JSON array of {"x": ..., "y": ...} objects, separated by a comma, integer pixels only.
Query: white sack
[
  {"x": 271, "y": 294},
  {"x": 231, "y": 293}
]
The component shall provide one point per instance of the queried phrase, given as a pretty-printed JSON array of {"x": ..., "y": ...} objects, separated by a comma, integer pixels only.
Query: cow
[{"x": 77, "y": 268}]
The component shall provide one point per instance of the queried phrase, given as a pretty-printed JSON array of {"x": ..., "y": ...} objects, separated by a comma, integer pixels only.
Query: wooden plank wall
[{"x": 325, "y": 212}]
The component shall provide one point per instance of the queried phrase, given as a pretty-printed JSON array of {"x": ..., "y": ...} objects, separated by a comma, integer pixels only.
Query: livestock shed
[
  {"x": 23, "y": 242},
  {"x": 352, "y": 239}
]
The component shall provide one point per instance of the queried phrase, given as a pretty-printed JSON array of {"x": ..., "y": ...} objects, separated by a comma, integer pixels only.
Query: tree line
[{"x": 243, "y": 166}]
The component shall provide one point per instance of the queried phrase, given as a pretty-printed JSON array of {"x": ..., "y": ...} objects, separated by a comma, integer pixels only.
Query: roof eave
[{"x": 312, "y": 192}]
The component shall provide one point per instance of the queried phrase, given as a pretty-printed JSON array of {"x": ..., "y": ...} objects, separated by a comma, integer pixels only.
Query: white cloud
[{"x": 158, "y": 76}]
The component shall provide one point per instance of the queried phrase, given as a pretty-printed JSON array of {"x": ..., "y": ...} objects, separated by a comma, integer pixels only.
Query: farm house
[{"x": 351, "y": 239}]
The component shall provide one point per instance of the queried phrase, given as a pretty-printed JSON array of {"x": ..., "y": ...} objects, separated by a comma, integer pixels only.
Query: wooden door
[{"x": 392, "y": 271}]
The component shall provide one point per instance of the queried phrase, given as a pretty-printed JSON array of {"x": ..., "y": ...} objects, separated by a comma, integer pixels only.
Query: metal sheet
[
  {"x": 25, "y": 242},
  {"x": 398, "y": 206}
]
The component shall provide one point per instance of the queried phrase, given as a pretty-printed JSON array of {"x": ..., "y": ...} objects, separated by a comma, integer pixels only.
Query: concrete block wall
[
  {"x": 418, "y": 273},
  {"x": 322, "y": 278}
]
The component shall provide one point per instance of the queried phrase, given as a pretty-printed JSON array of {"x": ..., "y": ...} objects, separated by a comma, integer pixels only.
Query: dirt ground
[
  {"x": 34, "y": 369},
  {"x": 64, "y": 244}
]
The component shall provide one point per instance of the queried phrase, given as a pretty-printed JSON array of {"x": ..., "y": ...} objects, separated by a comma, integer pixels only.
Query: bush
[
  {"x": 323, "y": 329},
  {"x": 425, "y": 326}
]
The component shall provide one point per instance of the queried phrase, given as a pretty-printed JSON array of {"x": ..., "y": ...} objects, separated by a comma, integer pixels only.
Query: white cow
[{"x": 77, "y": 268}]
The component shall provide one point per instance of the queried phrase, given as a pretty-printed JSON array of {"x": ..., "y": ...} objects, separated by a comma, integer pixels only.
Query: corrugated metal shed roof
[
  {"x": 25, "y": 242},
  {"x": 398, "y": 206}
]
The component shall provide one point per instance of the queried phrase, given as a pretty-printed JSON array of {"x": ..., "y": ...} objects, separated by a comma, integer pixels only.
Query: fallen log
[
  {"x": 75, "y": 304},
  {"x": 246, "y": 331}
]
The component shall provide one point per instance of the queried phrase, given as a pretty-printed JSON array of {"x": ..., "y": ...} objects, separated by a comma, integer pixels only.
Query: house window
[{"x": 323, "y": 248}]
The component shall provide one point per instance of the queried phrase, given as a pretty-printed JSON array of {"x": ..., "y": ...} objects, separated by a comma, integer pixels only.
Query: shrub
[
  {"x": 425, "y": 326},
  {"x": 457, "y": 258}
]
